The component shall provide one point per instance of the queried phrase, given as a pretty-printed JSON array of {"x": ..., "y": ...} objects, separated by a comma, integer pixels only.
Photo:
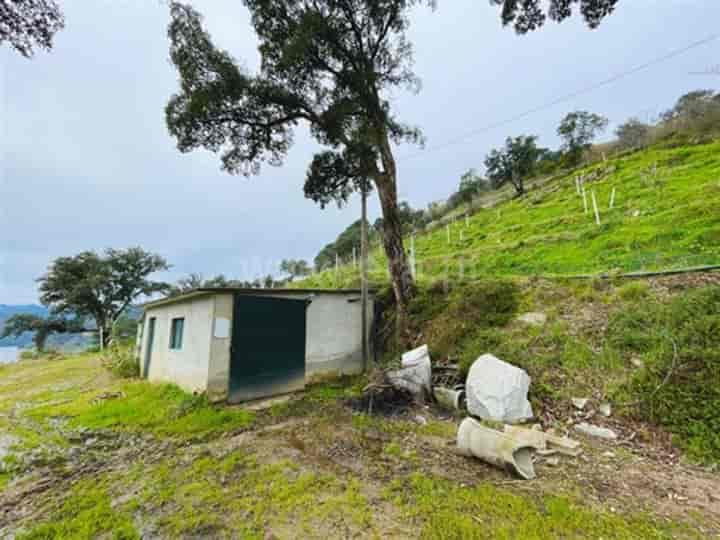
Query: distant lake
[{"x": 9, "y": 355}]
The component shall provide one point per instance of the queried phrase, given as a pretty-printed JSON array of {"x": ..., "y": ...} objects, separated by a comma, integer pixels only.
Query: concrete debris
[
  {"x": 532, "y": 437},
  {"x": 595, "y": 431},
  {"x": 497, "y": 391},
  {"x": 533, "y": 319},
  {"x": 496, "y": 448},
  {"x": 416, "y": 374},
  {"x": 449, "y": 398},
  {"x": 605, "y": 409},
  {"x": 579, "y": 403},
  {"x": 563, "y": 445}
]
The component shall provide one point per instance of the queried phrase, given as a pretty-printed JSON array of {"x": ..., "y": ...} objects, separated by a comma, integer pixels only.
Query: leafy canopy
[
  {"x": 578, "y": 130},
  {"x": 100, "y": 286},
  {"x": 528, "y": 15},
  {"x": 324, "y": 63},
  {"x": 513, "y": 163},
  {"x": 26, "y": 24}
]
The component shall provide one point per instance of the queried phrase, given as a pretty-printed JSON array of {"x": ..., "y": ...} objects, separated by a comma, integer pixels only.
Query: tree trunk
[{"x": 400, "y": 275}]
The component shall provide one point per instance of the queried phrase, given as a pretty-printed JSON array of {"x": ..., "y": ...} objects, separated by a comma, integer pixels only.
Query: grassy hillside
[{"x": 665, "y": 216}]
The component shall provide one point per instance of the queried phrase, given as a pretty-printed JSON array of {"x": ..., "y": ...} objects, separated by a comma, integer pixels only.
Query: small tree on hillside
[
  {"x": 471, "y": 183},
  {"x": 100, "y": 286},
  {"x": 514, "y": 163},
  {"x": 578, "y": 130},
  {"x": 42, "y": 328},
  {"x": 632, "y": 134},
  {"x": 26, "y": 24},
  {"x": 295, "y": 268}
]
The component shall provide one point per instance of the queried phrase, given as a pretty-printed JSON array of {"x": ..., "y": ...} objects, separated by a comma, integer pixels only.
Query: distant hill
[{"x": 65, "y": 342}]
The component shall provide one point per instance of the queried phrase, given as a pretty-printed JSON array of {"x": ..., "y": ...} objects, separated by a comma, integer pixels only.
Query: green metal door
[{"x": 268, "y": 347}]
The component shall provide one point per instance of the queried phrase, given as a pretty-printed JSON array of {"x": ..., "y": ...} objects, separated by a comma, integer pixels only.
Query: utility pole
[{"x": 363, "y": 274}]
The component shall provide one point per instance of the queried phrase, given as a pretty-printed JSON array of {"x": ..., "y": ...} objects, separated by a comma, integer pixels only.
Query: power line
[{"x": 562, "y": 99}]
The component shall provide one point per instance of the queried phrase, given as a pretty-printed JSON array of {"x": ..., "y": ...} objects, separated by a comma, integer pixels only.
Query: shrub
[
  {"x": 448, "y": 323},
  {"x": 635, "y": 290},
  {"x": 680, "y": 386},
  {"x": 122, "y": 362}
]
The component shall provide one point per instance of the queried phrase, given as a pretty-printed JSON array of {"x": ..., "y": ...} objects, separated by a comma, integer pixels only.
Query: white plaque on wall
[{"x": 222, "y": 328}]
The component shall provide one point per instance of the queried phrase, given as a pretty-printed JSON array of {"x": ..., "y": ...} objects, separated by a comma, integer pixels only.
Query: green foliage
[
  {"x": 514, "y": 163},
  {"x": 632, "y": 134},
  {"x": 448, "y": 322},
  {"x": 100, "y": 286},
  {"x": 294, "y": 268},
  {"x": 121, "y": 360},
  {"x": 444, "y": 510},
  {"x": 530, "y": 15},
  {"x": 578, "y": 130},
  {"x": 634, "y": 290},
  {"x": 679, "y": 388},
  {"x": 27, "y": 25}
]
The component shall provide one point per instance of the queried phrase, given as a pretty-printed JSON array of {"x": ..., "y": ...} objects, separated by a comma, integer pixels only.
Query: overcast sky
[{"x": 86, "y": 161}]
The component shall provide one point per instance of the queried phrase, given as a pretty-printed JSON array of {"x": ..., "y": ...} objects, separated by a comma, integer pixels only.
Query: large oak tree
[{"x": 330, "y": 64}]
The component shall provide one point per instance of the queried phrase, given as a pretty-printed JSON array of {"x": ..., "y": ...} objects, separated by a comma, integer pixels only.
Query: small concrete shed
[{"x": 243, "y": 344}]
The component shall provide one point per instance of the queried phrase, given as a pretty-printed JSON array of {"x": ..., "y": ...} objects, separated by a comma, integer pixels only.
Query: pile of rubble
[{"x": 495, "y": 397}]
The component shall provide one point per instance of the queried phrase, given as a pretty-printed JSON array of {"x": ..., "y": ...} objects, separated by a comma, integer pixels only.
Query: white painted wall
[
  {"x": 187, "y": 367},
  {"x": 334, "y": 335}
]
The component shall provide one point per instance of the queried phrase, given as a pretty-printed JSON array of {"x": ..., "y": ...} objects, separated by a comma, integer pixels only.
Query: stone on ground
[
  {"x": 497, "y": 391},
  {"x": 533, "y": 319},
  {"x": 596, "y": 431}
]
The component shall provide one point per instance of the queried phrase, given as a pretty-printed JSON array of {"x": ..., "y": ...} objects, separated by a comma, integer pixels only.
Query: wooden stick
[
  {"x": 612, "y": 199},
  {"x": 585, "y": 204},
  {"x": 447, "y": 228},
  {"x": 595, "y": 207}
]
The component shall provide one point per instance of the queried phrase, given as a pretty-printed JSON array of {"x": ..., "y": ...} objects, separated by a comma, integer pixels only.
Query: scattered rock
[
  {"x": 637, "y": 363},
  {"x": 579, "y": 403},
  {"x": 420, "y": 420},
  {"x": 605, "y": 409},
  {"x": 552, "y": 462},
  {"x": 496, "y": 390},
  {"x": 533, "y": 318},
  {"x": 596, "y": 431}
]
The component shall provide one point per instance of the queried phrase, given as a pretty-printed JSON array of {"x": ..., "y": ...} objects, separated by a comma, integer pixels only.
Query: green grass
[
  {"x": 87, "y": 512},
  {"x": 679, "y": 388},
  {"x": 159, "y": 408},
  {"x": 658, "y": 222},
  {"x": 443, "y": 510}
]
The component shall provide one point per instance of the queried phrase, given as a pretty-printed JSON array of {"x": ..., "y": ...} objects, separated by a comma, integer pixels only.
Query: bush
[
  {"x": 122, "y": 362},
  {"x": 680, "y": 386}
]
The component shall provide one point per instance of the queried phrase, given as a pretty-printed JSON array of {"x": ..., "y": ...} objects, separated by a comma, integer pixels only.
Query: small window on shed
[{"x": 176, "y": 333}]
